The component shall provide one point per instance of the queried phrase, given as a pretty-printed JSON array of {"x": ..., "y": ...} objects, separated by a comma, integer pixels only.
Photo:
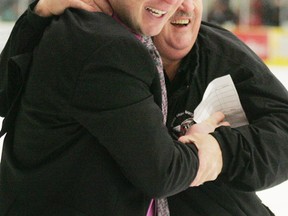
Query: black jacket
[
  {"x": 85, "y": 135},
  {"x": 255, "y": 156}
]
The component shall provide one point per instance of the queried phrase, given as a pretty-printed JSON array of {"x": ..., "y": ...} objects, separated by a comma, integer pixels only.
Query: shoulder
[
  {"x": 226, "y": 44},
  {"x": 87, "y": 28},
  {"x": 225, "y": 49},
  {"x": 97, "y": 39},
  {"x": 220, "y": 52}
]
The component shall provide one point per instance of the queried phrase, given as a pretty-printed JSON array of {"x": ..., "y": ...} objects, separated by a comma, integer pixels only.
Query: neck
[
  {"x": 116, "y": 17},
  {"x": 171, "y": 67},
  {"x": 171, "y": 58}
]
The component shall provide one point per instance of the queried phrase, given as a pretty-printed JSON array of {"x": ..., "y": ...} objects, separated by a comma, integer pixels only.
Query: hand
[
  {"x": 209, "y": 152},
  {"x": 48, "y": 8},
  {"x": 210, "y": 157},
  {"x": 208, "y": 125}
]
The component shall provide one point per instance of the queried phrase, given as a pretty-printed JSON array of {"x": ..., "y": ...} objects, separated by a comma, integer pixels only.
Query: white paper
[{"x": 221, "y": 95}]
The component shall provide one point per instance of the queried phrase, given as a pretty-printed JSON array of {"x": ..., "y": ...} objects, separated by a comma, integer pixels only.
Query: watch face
[{"x": 181, "y": 123}]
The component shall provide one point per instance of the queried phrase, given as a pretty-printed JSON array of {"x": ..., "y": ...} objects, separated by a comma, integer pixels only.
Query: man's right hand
[
  {"x": 46, "y": 8},
  {"x": 209, "y": 152}
]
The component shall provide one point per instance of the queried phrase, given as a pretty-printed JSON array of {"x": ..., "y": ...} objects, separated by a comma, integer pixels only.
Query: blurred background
[{"x": 261, "y": 24}]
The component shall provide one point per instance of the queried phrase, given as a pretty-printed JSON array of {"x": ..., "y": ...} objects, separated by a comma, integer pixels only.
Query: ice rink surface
[{"x": 275, "y": 198}]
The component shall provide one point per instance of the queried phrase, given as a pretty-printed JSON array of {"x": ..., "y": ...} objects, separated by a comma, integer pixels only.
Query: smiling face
[
  {"x": 179, "y": 35},
  {"x": 145, "y": 16}
]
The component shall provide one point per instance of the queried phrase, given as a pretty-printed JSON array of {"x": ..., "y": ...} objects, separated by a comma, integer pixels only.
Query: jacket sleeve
[
  {"x": 256, "y": 155},
  {"x": 128, "y": 122},
  {"x": 26, "y": 33},
  {"x": 24, "y": 37}
]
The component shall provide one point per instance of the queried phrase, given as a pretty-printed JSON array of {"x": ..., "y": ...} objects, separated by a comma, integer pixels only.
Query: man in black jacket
[
  {"x": 85, "y": 132},
  {"x": 255, "y": 155},
  {"x": 253, "y": 152}
]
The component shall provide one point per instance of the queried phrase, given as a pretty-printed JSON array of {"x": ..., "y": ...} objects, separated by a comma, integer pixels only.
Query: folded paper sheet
[{"x": 221, "y": 95}]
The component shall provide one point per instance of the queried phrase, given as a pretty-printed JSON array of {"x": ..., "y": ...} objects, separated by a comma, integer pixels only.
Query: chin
[{"x": 151, "y": 31}]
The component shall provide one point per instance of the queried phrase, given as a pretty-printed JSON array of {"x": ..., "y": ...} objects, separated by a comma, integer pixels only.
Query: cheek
[
  {"x": 196, "y": 24},
  {"x": 198, "y": 9}
]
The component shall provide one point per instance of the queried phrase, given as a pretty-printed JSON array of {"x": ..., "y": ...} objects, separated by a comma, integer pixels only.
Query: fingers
[
  {"x": 199, "y": 179},
  {"x": 186, "y": 139},
  {"x": 209, "y": 152},
  {"x": 225, "y": 123},
  {"x": 215, "y": 119},
  {"x": 218, "y": 116},
  {"x": 84, "y": 5},
  {"x": 47, "y": 8},
  {"x": 210, "y": 158},
  {"x": 104, "y": 6},
  {"x": 206, "y": 172}
]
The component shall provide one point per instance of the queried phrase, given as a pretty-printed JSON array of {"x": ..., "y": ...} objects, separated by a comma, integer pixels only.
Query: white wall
[{"x": 5, "y": 29}]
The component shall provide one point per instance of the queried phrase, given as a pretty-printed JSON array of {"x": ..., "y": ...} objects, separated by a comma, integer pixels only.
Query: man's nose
[{"x": 187, "y": 5}]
